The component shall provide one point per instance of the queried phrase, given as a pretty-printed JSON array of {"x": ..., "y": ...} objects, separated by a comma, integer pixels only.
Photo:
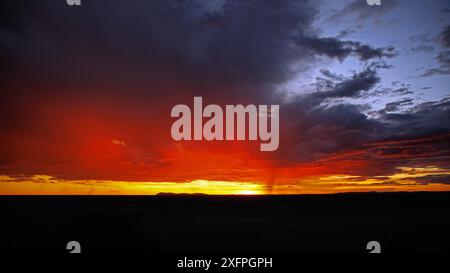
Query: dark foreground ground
[{"x": 401, "y": 222}]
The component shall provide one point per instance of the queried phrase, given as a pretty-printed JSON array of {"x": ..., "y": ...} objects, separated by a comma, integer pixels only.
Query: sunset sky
[{"x": 87, "y": 91}]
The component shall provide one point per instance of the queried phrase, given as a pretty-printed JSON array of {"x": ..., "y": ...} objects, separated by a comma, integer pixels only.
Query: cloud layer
[{"x": 78, "y": 81}]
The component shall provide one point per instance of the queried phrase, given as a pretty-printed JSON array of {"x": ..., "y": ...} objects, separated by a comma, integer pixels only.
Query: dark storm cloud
[
  {"x": 327, "y": 73},
  {"x": 320, "y": 129},
  {"x": 324, "y": 129},
  {"x": 353, "y": 87},
  {"x": 163, "y": 49},
  {"x": 396, "y": 105},
  {"x": 336, "y": 48},
  {"x": 242, "y": 41},
  {"x": 336, "y": 86},
  {"x": 434, "y": 179},
  {"x": 425, "y": 119}
]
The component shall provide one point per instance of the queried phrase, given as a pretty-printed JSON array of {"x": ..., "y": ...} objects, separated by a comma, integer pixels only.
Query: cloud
[
  {"x": 329, "y": 133},
  {"x": 319, "y": 128},
  {"x": 151, "y": 43},
  {"x": 106, "y": 71},
  {"x": 422, "y": 43},
  {"x": 87, "y": 91},
  {"x": 164, "y": 38},
  {"x": 443, "y": 57},
  {"x": 361, "y": 11},
  {"x": 434, "y": 179},
  {"x": 336, "y": 48},
  {"x": 353, "y": 87},
  {"x": 445, "y": 36},
  {"x": 396, "y": 105}
]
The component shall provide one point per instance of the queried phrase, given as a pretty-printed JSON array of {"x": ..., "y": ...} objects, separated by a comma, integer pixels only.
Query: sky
[{"x": 87, "y": 92}]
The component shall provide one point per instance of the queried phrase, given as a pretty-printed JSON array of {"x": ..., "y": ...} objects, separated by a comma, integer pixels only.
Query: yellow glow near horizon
[
  {"x": 407, "y": 179},
  {"x": 47, "y": 185},
  {"x": 248, "y": 192}
]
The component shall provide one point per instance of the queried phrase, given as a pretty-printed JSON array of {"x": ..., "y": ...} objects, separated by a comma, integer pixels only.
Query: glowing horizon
[{"x": 405, "y": 180}]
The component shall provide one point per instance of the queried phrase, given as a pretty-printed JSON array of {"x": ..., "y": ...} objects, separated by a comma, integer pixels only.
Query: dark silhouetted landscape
[{"x": 202, "y": 224}]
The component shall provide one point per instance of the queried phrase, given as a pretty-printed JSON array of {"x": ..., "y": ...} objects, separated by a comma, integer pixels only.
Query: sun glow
[
  {"x": 48, "y": 185},
  {"x": 406, "y": 179},
  {"x": 248, "y": 192}
]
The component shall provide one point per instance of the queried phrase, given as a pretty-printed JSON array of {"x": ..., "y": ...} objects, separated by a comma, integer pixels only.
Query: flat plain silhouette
[{"x": 340, "y": 223}]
